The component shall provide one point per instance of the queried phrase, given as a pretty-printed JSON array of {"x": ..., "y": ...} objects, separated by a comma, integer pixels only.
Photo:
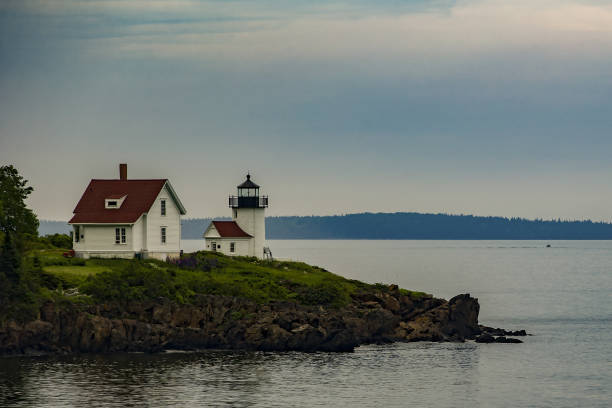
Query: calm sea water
[{"x": 562, "y": 294}]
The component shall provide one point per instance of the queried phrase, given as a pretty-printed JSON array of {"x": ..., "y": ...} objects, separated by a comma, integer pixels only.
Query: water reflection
[{"x": 391, "y": 374}]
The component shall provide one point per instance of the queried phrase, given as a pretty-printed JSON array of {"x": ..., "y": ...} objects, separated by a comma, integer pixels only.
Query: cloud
[
  {"x": 397, "y": 32},
  {"x": 232, "y": 32}
]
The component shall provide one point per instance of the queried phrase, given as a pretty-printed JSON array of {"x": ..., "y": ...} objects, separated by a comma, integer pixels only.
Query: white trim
[
  {"x": 104, "y": 223},
  {"x": 122, "y": 236},
  {"x": 175, "y": 198},
  {"x": 124, "y": 251},
  {"x": 100, "y": 251},
  {"x": 211, "y": 225},
  {"x": 230, "y": 238},
  {"x": 118, "y": 202}
]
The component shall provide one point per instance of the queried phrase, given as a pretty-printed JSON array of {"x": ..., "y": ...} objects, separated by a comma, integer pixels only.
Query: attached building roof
[
  {"x": 229, "y": 229},
  {"x": 141, "y": 195}
]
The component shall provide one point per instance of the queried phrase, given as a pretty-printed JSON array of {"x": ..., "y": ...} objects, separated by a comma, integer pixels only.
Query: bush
[
  {"x": 59, "y": 240},
  {"x": 194, "y": 262},
  {"x": 51, "y": 259},
  {"x": 33, "y": 242},
  {"x": 327, "y": 293},
  {"x": 135, "y": 282}
]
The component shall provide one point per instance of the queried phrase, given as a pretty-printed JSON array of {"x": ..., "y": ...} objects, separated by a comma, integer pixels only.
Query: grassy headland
[{"x": 94, "y": 281}]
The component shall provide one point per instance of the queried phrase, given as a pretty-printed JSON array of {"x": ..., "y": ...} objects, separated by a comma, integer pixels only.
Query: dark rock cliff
[{"x": 235, "y": 323}]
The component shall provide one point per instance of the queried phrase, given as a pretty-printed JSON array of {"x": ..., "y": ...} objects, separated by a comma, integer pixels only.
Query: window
[
  {"x": 120, "y": 236},
  {"x": 114, "y": 202},
  {"x": 163, "y": 207},
  {"x": 232, "y": 247},
  {"x": 77, "y": 233},
  {"x": 163, "y": 234}
]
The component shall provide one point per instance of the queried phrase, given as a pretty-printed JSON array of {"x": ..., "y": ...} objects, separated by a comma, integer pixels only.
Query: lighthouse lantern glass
[{"x": 248, "y": 192}]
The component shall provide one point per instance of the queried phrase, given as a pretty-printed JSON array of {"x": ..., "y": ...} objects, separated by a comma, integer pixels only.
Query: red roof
[
  {"x": 141, "y": 195},
  {"x": 229, "y": 229},
  {"x": 117, "y": 196}
]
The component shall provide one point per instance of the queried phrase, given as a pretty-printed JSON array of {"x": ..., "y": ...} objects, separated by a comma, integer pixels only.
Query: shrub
[
  {"x": 194, "y": 262},
  {"x": 326, "y": 293},
  {"x": 133, "y": 282},
  {"x": 59, "y": 240}
]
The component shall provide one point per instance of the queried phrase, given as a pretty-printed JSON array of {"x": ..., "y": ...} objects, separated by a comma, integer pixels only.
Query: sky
[{"x": 481, "y": 107}]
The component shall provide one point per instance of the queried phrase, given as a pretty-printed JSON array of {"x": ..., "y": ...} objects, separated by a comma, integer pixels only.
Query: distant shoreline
[{"x": 402, "y": 226}]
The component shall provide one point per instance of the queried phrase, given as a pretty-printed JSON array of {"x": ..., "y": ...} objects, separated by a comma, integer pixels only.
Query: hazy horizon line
[{"x": 394, "y": 213}]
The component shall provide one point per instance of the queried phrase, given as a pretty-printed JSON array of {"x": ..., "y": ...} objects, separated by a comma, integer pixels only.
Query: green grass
[
  {"x": 414, "y": 294},
  {"x": 200, "y": 273},
  {"x": 74, "y": 275}
]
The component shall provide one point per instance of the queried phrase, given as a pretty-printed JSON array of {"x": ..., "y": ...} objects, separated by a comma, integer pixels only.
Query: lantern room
[{"x": 248, "y": 196}]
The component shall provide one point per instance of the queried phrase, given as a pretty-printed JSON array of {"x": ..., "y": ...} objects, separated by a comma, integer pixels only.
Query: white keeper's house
[
  {"x": 245, "y": 235},
  {"x": 125, "y": 218}
]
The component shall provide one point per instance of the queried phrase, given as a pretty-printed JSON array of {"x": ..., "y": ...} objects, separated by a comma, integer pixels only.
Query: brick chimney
[{"x": 123, "y": 171}]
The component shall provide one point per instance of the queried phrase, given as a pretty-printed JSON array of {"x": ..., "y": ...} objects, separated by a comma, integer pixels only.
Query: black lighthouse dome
[{"x": 248, "y": 183}]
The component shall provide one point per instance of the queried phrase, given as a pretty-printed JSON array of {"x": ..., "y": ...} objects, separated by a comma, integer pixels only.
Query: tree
[
  {"x": 15, "y": 221},
  {"x": 15, "y": 217},
  {"x": 10, "y": 259}
]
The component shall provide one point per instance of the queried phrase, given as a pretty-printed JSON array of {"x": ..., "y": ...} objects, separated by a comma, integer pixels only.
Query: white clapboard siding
[
  {"x": 102, "y": 237},
  {"x": 172, "y": 222}
]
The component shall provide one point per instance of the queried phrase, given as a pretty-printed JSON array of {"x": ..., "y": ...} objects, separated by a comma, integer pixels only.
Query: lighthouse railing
[{"x": 248, "y": 202}]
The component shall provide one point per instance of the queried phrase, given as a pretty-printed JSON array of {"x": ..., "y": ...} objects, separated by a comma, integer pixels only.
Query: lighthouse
[{"x": 245, "y": 235}]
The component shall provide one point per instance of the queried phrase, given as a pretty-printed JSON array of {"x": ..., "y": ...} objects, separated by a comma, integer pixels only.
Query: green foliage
[
  {"x": 328, "y": 293},
  {"x": 208, "y": 273},
  {"x": 10, "y": 259},
  {"x": 238, "y": 314},
  {"x": 414, "y": 295},
  {"x": 16, "y": 221},
  {"x": 19, "y": 289},
  {"x": 136, "y": 281},
  {"x": 15, "y": 217},
  {"x": 73, "y": 275},
  {"x": 59, "y": 240},
  {"x": 62, "y": 241}
]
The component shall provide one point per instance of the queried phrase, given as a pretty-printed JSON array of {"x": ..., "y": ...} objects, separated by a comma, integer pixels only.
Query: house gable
[
  {"x": 211, "y": 232},
  {"x": 163, "y": 219}
]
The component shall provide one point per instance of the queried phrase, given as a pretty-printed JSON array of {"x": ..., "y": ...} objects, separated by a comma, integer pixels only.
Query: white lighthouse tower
[
  {"x": 248, "y": 211},
  {"x": 246, "y": 234}
]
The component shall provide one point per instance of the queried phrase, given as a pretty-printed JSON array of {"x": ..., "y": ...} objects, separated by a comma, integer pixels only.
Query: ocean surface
[{"x": 562, "y": 295}]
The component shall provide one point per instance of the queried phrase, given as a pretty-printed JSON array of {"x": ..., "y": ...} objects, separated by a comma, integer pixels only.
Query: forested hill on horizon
[
  {"x": 430, "y": 226},
  {"x": 401, "y": 225}
]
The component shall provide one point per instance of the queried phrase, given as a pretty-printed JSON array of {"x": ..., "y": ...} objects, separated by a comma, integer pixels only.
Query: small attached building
[
  {"x": 227, "y": 237},
  {"x": 127, "y": 218}
]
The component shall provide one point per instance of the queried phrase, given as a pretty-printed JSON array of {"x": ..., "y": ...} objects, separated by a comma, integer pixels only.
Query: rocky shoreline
[{"x": 223, "y": 322}]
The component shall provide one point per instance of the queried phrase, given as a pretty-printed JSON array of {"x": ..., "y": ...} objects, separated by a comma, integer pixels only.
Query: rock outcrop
[{"x": 236, "y": 323}]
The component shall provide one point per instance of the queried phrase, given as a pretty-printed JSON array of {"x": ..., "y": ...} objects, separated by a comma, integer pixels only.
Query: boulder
[
  {"x": 485, "y": 338},
  {"x": 503, "y": 339}
]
